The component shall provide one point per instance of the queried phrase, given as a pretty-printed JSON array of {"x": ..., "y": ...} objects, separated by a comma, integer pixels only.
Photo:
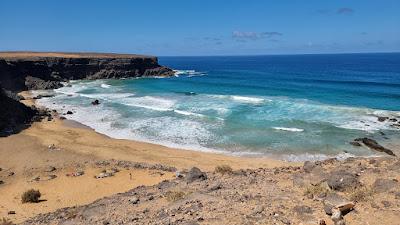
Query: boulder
[
  {"x": 331, "y": 200},
  {"x": 69, "y": 113},
  {"x": 96, "y": 102},
  {"x": 342, "y": 180},
  {"x": 382, "y": 118},
  {"x": 195, "y": 174},
  {"x": 383, "y": 185}
]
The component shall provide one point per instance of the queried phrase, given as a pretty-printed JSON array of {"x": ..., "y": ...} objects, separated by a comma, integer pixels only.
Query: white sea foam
[
  {"x": 105, "y": 86},
  {"x": 189, "y": 73},
  {"x": 187, "y": 113},
  {"x": 291, "y": 129},
  {"x": 247, "y": 99},
  {"x": 149, "y": 102}
]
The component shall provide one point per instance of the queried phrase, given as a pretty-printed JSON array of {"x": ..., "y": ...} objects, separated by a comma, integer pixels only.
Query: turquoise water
[{"x": 292, "y": 107}]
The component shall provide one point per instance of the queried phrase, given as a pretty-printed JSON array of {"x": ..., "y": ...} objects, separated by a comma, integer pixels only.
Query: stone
[
  {"x": 62, "y": 118},
  {"x": 382, "y": 118},
  {"x": 384, "y": 185},
  {"x": 386, "y": 204},
  {"x": 345, "y": 207},
  {"x": 342, "y": 180},
  {"x": 104, "y": 175},
  {"x": 96, "y": 102},
  {"x": 258, "y": 209},
  {"x": 69, "y": 112},
  {"x": 11, "y": 212},
  {"x": 332, "y": 200},
  {"x": 309, "y": 166},
  {"x": 49, "y": 169},
  {"x": 355, "y": 143},
  {"x": 134, "y": 200},
  {"x": 372, "y": 144},
  {"x": 195, "y": 174}
]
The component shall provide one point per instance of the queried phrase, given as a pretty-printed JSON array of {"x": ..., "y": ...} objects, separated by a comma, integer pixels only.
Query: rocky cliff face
[
  {"x": 21, "y": 71},
  {"x": 26, "y": 71},
  {"x": 14, "y": 115}
]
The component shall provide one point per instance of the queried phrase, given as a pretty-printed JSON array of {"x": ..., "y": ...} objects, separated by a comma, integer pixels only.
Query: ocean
[{"x": 292, "y": 107}]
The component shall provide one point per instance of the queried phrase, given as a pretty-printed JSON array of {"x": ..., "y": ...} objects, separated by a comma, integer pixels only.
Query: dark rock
[
  {"x": 393, "y": 120},
  {"x": 14, "y": 116},
  {"x": 49, "y": 169},
  {"x": 35, "y": 83},
  {"x": 372, "y": 144},
  {"x": 355, "y": 143},
  {"x": 383, "y": 185},
  {"x": 342, "y": 180},
  {"x": 134, "y": 200},
  {"x": 195, "y": 174},
  {"x": 382, "y": 118},
  {"x": 69, "y": 113},
  {"x": 386, "y": 204},
  {"x": 1, "y": 182},
  {"x": 11, "y": 212},
  {"x": 95, "y": 102},
  {"x": 309, "y": 166},
  {"x": 62, "y": 118}
]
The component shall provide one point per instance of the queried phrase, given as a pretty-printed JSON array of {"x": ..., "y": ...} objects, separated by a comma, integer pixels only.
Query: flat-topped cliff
[{"x": 46, "y": 70}]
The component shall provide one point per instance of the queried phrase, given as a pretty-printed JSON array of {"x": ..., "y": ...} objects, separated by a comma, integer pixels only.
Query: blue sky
[{"x": 203, "y": 27}]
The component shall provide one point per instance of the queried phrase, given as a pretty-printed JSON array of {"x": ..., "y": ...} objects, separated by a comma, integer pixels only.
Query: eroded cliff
[{"x": 32, "y": 70}]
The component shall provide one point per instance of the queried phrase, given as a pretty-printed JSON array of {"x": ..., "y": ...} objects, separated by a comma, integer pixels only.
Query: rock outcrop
[
  {"x": 20, "y": 71},
  {"x": 14, "y": 115},
  {"x": 32, "y": 70}
]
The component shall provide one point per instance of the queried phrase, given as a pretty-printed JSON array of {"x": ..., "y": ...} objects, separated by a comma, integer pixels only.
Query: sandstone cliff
[{"x": 32, "y": 70}]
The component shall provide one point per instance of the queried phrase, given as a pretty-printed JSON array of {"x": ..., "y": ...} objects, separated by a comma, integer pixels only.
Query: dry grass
[
  {"x": 6, "y": 221},
  {"x": 317, "y": 190},
  {"x": 31, "y": 196},
  {"x": 361, "y": 194},
  {"x": 174, "y": 196},
  {"x": 223, "y": 169}
]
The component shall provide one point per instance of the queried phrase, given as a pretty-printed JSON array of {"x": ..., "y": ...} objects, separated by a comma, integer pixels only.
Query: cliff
[
  {"x": 21, "y": 71},
  {"x": 14, "y": 116},
  {"x": 46, "y": 70}
]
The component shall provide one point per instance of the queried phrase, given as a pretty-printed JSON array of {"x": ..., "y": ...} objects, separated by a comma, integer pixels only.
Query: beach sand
[{"x": 76, "y": 147}]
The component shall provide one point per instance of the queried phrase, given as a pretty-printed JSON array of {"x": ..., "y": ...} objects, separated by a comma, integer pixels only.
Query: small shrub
[
  {"x": 223, "y": 169},
  {"x": 31, "y": 196},
  {"x": 174, "y": 196},
  {"x": 6, "y": 221},
  {"x": 361, "y": 194}
]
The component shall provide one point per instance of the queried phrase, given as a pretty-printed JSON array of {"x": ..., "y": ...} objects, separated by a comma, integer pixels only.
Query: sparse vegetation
[
  {"x": 361, "y": 194},
  {"x": 223, "y": 169},
  {"x": 174, "y": 196},
  {"x": 6, "y": 221},
  {"x": 317, "y": 190},
  {"x": 31, "y": 196}
]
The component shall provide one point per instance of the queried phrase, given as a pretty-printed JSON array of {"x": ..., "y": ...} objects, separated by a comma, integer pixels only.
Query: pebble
[{"x": 134, "y": 200}]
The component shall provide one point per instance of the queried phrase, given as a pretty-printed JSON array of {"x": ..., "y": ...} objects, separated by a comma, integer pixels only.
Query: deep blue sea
[{"x": 294, "y": 107}]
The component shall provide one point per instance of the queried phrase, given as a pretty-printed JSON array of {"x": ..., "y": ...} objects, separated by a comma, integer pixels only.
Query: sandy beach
[{"x": 69, "y": 146}]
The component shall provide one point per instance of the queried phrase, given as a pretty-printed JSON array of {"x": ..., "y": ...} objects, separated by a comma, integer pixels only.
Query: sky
[{"x": 201, "y": 27}]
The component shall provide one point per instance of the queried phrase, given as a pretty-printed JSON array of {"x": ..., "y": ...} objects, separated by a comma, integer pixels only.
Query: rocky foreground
[{"x": 354, "y": 191}]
